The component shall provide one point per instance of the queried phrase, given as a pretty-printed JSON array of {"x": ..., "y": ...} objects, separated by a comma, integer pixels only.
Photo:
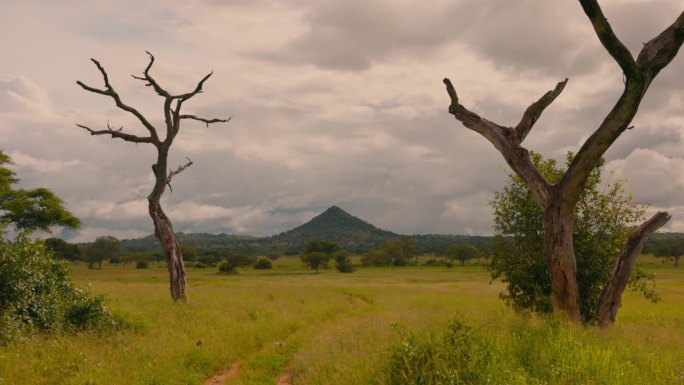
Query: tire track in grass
[
  {"x": 221, "y": 378},
  {"x": 285, "y": 378}
]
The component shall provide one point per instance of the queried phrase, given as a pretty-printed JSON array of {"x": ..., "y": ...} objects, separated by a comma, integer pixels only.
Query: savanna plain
[{"x": 374, "y": 326}]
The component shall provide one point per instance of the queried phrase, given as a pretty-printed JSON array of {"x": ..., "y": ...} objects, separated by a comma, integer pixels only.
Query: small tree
[
  {"x": 63, "y": 249},
  {"x": 234, "y": 260},
  {"x": 263, "y": 264},
  {"x": 603, "y": 215},
  {"x": 669, "y": 248},
  {"x": 315, "y": 259},
  {"x": 104, "y": 247},
  {"x": 30, "y": 209},
  {"x": 163, "y": 229},
  {"x": 463, "y": 252},
  {"x": 343, "y": 263}
]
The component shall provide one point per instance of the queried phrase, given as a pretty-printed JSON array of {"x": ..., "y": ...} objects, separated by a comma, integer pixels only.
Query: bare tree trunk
[
  {"x": 611, "y": 297},
  {"x": 561, "y": 262},
  {"x": 163, "y": 229}
]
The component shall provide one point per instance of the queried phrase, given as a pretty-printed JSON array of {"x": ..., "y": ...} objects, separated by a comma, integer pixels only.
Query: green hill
[{"x": 333, "y": 225}]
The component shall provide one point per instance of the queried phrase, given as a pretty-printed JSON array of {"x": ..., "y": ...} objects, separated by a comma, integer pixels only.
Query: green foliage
[
  {"x": 234, "y": 260},
  {"x": 189, "y": 252},
  {"x": 263, "y": 264},
  {"x": 315, "y": 260},
  {"x": 142, "y": 265},
  {"x": 396, "y": 252},
  {"x": 456, "y": 356},
  {"x": 343, "y": 262},
  {"x": 63, "y": 249},
  {"x": 104, "y": 247},
  {"x": 603, "y": 215},
  {"x": 670, "y": 248},
  {"x": 30, "y": 210},
  {"x": 36, "y": 293},
  {"x": 463, "y": 252},
  {"x": 317, "y": 254}
]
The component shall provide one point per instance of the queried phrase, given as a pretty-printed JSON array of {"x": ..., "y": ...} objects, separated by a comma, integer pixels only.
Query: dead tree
[
  {"x": 559, "y": 200},
  {"x": 163, "y": 229}
]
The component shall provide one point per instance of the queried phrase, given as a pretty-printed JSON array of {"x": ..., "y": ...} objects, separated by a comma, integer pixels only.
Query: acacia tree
[
  {"x": 163, "y": 229},
  {"x": 558, "y": 200}
]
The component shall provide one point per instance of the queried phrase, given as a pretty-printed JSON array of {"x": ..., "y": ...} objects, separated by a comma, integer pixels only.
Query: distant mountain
[{"x": 333, "y": 225}]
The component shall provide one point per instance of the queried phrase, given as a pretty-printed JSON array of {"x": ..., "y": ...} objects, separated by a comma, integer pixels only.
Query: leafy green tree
[
  {"x": 104, "y": 247},
  {"x": 321, "y": 247},
  {"x": 189, "y": 253},
  {"x": 602, "y": 219},
  {"x": 396, "y": 251},
  {"x": 343, "y": 262},
  {"x": 63, "y": 249},
  {"x": 234, "y": 260},
  {"x": 30, "y": 210},
  {"x": 669, "y": 248},
  {"x": 263, "y": 264},
  {"x": 315, "y": 259},
  {"x": 463, "y": 252}
]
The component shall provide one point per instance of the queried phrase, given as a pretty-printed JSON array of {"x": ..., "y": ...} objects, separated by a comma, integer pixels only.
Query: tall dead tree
[
  {"x": 559, "y": 200},
  {"x": 163, "y": 229}
]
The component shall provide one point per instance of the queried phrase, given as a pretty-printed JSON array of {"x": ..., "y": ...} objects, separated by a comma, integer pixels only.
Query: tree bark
[
  {"x": 611, "y": 297},
  {"x": 163, "y": 228},
  {"x": 560, "y": 260},
  {"x": 558, "y": 201}
]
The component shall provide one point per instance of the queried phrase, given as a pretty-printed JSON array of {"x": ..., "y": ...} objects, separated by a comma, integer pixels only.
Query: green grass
[{"x": 332, "y": 328}]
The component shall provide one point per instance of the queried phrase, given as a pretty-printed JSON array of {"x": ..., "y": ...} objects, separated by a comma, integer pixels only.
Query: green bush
[
  {"x": 343, "y": 263},
  {"x": 37, "y": 294},
  {"x": 142, "y": 265},
  {"x": 456, "y": 356},
  {"x": 263, "y": 264}
]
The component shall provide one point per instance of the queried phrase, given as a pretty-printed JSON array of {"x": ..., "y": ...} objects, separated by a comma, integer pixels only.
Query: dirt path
[
  {"x": 221, "y": 378},
  {"x": 285, "y": 378}
]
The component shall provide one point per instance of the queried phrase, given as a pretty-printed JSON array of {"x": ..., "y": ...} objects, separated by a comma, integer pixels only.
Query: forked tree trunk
[
  {"x": 559, "y": 200},
  {"x": 561, "y": 262}
]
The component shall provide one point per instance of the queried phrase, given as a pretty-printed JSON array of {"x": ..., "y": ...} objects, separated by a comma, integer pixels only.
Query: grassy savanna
[{"x": 332, "y": 328}]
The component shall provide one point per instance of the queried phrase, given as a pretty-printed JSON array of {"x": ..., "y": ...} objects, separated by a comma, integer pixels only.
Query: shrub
[
  {"x": 263, "y": 264},
  {"x": 142, "y": 265},
  {"x": 343, "y": 263},
  {"x": 37, "y": 294},
  {"x": 456, "y": 356},
  {"x": 235, "y": 260}
]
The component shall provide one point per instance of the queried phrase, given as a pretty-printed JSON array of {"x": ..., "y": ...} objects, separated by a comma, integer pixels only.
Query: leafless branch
[
  {"x": 177, "y": 171},
  {"x": 118, "y": 134},
  {"x": 608, "y": 38},
  {"x": 150, "y": 81},
  {"x": 119, "y": 103},
  {"x": 505, "y": 140},
  {"x": 611, "y": 296},
  {"x": 660, "y": 51},
  {"x": 535, "y": 110},
  {"x": 206, "y": 121},
  {"x": 197, "y": 90}
]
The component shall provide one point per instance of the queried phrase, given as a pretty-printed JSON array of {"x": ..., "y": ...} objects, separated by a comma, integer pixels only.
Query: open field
[{"x": 332, "y": 328}]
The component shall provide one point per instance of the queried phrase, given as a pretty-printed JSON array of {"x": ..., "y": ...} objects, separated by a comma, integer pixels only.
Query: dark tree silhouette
[
  {"x": 163, "y": 229},
  {"x": 558, "y": 200}
]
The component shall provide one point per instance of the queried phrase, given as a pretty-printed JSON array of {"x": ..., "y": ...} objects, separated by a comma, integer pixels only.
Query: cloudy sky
[{"x": 333, "y": 103}]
